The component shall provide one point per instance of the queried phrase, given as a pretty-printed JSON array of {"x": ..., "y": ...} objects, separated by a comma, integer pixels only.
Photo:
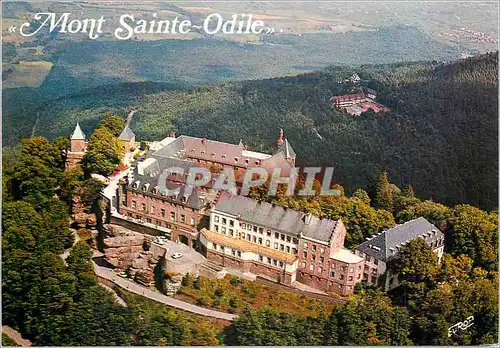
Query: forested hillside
[{"x": 440, "y": 134}]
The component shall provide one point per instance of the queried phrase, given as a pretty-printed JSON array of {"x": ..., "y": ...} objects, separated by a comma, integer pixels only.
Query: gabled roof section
[
  {"x": 286, "y": 149},
  {"x": 78, "y": 133},
  {"x": 386, "y": 244},
  {"x": 278, "y": 160},
  {"x": 210, "y": 150},
  {"x": 286, "y": 220},
  {"x": 149, "y": 179},
  {"x": 126, "y": 134}
]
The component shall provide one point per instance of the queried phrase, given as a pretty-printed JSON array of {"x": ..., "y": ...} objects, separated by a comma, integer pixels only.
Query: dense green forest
[
  {"x": 440, "y": 134},
  {"x": 52, "y": 301}
]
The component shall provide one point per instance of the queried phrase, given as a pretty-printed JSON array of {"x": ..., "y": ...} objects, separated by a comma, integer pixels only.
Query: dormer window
[
  {"x": 202, "y": 152},
  {"x": 213, "y": 154},
  {"x": 223, "y": 156},
  {"x": 192, "y": 151},
  {"x": 246, "y": 161},
  {"x": 257, "y": 163},
  {"x": 236, "y": 160}
]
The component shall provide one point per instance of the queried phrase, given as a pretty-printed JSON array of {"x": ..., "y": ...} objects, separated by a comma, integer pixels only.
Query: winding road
[{"x": 137, "y": 289}]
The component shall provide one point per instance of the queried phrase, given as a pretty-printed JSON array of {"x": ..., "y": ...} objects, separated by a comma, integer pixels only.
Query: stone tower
[
  {"x": 283, "y": 145},
  {"x": 78, "y": 147}
]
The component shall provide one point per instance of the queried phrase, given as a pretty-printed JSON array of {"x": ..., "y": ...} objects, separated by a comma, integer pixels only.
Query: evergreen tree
[
  {"x": 408, "y": 191},
  {"x": 104, "y": 153},
  {"x": 475, "y": 233},
  {"x": 113, "y": 123},
  {"x": 384, "y": 196},
  {"x": 362, "y": 195}
]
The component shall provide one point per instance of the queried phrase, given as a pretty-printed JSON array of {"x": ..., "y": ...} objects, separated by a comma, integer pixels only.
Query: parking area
[{"x": 179, "y": 257}]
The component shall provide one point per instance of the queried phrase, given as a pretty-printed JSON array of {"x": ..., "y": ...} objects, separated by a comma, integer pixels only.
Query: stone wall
[
  {"x": 259, "y": 269},
  {"x": 136, "y": 226},
  {"x": 156, "y": 217}
]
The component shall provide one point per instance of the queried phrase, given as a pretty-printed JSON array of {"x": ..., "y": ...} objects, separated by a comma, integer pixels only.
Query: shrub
[
  {"x": 202, "y": 301},
  {"x": 216, "y": 302},
  {"x": 233, "y": 303},
  {"x": 236, "y": 281},
  {"x": 187, "y": 280},
  {"x": 196, "y": 283}
]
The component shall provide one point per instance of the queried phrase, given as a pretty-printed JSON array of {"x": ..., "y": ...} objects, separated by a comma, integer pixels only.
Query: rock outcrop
[
  {"x": 144, "y": 277},
  {"x": 122, "y": 257},
  {"x": 125, "y": 241},
  {"x": 172, "y": 284},
  {"x": 81, "y": 216},
  {"x": 125, "y": 249}
]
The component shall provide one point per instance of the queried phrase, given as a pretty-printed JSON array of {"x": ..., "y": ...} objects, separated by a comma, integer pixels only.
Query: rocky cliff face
[
  {"x": 126, "y": 249},
  {"x": 81, "y": 216}
]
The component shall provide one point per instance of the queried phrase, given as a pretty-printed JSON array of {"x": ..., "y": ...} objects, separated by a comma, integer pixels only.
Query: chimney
[{"x": 280, "y": 138}]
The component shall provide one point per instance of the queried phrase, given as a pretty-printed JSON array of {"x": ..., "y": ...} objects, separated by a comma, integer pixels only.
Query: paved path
[
  {"x": 66, "y": 252},
  {"x": 155, "y": 296},
  {"x": 15, "y": 336},
  {"x": 110, "y": 191}
]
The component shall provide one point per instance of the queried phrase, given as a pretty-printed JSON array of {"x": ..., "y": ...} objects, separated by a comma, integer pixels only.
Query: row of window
[
  {"x": 149, "y": 220},
  {"x": 332, "y": 273},
  {"x": 156, "y": 191},
  {"x": 222, "y": 249},
  {"x": 369, "y": 258},
  {"x": 373, "y": 270},
  {"x": 182, "y": 217},
  {"x": 373, "y": 277},
  {"x": 271, "y": 261},
  {"x": 349, "y": 287},
  {"x": 223, "y": 157},
  {"x": 237, "y": 253},
  {"x": 224, "y": 221},
  {"x": 313, "y": 257},
  {"x": 255, "y": 239},
  {"x": 314, "y": 248},
  {"x": 435, "y": 244},
  {"x": 256, "y": 229},
  {"x": 342, "y": 269}
]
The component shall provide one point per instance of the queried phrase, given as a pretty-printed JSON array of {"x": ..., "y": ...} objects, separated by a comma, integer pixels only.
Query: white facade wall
[
  {"x": 230, "y": 226},
  {"x": 439, "y": 252}
]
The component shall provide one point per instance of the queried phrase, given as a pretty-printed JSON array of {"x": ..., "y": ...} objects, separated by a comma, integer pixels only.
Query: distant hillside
[
  {"x": 440, "y": 135},
  {"x": 87, "y": 64}
]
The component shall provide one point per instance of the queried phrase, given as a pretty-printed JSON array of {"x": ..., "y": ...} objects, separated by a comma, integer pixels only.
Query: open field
[{"x": 27, "y": 74}]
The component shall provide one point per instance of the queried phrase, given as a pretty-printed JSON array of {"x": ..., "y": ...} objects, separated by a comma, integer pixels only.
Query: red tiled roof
[{"x": 347, "y": 97}]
